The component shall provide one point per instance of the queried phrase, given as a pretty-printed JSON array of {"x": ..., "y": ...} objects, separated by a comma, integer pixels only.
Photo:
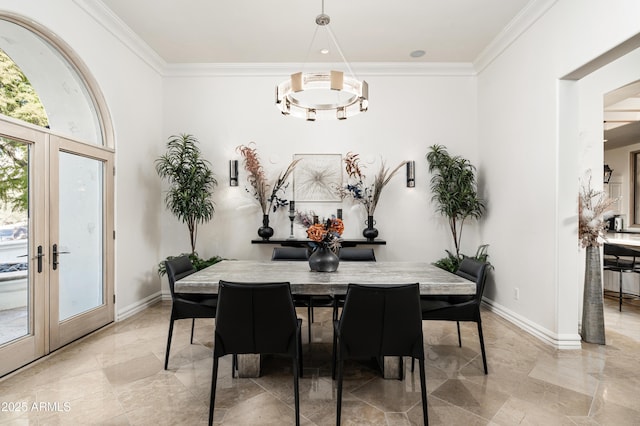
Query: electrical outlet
[{"x": 516, "y": 293}]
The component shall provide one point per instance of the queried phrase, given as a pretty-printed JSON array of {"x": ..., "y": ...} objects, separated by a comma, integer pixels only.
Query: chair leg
[
  {"x": 459, "y": 338},
  {"x": 310, "y": 318},
  {"x": 301, "y": 366},
  {"x": 423, "y": 386},
  {"x": 620, "y": 296},
  {"x": 296, "y": 390},
  {"x": 333, "y": 356},
  {"x": 166, "y": 355},
  {"x": 234, "y": 365},
  {"x": 193, "y": 326},
  {"x": 214, "y": 379},
  {"x": 484, "y": 355},
  {"x": 339, "y": 396}
]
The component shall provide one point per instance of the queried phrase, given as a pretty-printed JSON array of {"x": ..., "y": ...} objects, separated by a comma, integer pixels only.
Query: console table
[{"x": 305, "y": 242}]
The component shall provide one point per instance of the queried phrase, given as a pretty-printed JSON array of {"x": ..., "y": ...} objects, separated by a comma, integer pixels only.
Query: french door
[{"x": 57, "y": 265}]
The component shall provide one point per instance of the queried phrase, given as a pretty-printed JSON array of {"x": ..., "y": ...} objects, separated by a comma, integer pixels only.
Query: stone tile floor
[{"x": 115, "y": 377}]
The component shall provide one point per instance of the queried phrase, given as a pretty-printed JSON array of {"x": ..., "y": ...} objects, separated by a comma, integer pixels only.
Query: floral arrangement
[
  {"x": 267, "y": 194},
  {"x": 327, "y": 233},
  {"x": 592, "y": 207},
  {"x": 366, "y": 194}
]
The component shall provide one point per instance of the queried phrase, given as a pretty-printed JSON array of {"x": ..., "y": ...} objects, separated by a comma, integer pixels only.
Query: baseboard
[
  {"x": 559, "y": 341},
  {"x": 139, "y": 306}
]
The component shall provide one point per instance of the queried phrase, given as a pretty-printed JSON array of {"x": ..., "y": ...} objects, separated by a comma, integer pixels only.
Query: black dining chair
[
  {"x": 302, "y": 300},
  {"x": 186, "y": 305},
  {"x": 379, "y": 321},
  {"x": 460, "y": 308},
  {"x": 257, "y": 318},
  {"x": 351, "y": 254},
  {"x": 623, "y": 260}
]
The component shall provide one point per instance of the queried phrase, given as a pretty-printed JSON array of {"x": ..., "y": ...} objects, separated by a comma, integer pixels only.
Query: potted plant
[
  {"x": 191, "y": 185},
  {"x": 267, "y": 194},
  {"x": 454, "y": 188}
]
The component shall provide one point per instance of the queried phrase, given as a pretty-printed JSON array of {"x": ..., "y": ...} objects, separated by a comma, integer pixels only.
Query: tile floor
[{"x": 115, "y": 377}]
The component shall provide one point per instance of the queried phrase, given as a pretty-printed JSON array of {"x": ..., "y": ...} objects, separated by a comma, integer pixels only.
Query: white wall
[
  {"x": 535, "y": 146},
  {"x": 407, "y": 114},
  {"x": 133, "y": 92},
  {"x": 521, "y": 129}
]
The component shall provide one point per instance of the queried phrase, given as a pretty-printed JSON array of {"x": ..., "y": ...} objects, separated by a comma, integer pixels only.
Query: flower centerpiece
[
  {"x": 592, "y": 207},
  {"x": 368, "y": 194},
  {"x": 325, "y": 238},
  {"x": 267, "y": 194}
]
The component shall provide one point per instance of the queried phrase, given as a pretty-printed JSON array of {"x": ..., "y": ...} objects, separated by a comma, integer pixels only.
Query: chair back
[
  {"x": 290, "y": 253},
  {"x": 177, "y": 268},
  {"x": 620, "y": 251},
  {"x": 352, "y": 254},
  {"x": 381, "y": 321},
  {"x": 476, "y": 271},
  {"x": 255, "y": 318}
]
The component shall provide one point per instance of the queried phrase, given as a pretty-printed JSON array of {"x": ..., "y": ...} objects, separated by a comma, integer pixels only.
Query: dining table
[{"x": 431, "y": 279}]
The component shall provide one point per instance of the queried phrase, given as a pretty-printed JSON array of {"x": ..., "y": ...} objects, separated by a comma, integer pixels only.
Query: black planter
[
  {"x": 265, "y": 231},
  {"x": 370, "y": 232}
]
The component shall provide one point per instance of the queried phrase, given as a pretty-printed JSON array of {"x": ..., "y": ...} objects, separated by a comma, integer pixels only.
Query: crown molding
[
  {"x": 121, "y": 31},
  {"x": 361, "y": 69},
  {"x": 533, "y": 11}
]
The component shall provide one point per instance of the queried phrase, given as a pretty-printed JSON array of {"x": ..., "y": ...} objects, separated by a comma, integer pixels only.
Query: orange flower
[
  {"x": 316, "y": 232},
  {"x": 337, "y": 226}
]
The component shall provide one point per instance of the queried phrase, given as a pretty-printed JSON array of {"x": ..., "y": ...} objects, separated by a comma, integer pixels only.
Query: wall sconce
[
  {"x": 233, "y": 172},
  {"x": 411, "y": 174},
  {"x": 608, "y": 171}
]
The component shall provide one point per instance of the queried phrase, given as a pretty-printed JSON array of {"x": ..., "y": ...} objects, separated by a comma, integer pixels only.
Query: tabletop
[{"x": 432, "y": 279}]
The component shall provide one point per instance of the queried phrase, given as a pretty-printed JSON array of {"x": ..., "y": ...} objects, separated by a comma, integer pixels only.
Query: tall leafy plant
[
  {"x": 454, "y": 188},
  {"x": 191, "y": 183}
]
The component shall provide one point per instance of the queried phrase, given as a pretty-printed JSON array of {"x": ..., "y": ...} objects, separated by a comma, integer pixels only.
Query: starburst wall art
[{"x": 316, "y": 178}]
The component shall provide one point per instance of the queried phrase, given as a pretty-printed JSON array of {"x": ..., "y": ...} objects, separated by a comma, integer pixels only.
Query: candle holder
[{"x": 292, "y": 215}]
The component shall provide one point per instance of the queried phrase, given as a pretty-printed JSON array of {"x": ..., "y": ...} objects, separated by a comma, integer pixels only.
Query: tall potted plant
[
  {"x": 191, "y": 185},
  {"x": 454, "y": 188}
]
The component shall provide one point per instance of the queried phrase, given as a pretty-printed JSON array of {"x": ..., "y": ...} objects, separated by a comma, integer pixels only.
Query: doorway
[{"x": 55, "y": 272}]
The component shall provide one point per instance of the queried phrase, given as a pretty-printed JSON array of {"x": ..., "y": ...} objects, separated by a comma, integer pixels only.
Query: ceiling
[
  {"x": 280, "y": 31},
  {"x": 368, "y": 31},
  {"x": 622, "y": 116}
]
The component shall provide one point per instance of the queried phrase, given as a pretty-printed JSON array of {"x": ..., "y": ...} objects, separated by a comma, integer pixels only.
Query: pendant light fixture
[{"x": 323, "y": 94}]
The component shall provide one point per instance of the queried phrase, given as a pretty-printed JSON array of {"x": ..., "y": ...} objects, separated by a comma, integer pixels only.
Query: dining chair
[
  {"x": 351, "y": 254},
  {"x": 460, "y": 308},
  {"x": 620, "y": 259},
  {"x": 379, "y": 321},
  {"x": 256, "y": 318},
  {"x": 186, "y": 305},
  {"x": 302, "y": 300}
]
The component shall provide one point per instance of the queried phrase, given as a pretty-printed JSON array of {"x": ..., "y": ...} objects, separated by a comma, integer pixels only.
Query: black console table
[{"x": 305, "y": 243}]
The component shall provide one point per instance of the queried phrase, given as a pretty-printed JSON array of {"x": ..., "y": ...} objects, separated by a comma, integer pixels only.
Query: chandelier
[{"x": 326, "y": 94}]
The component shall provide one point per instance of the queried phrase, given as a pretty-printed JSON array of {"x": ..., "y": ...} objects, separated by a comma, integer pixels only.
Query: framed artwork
[{"x": 316, "y": 178}]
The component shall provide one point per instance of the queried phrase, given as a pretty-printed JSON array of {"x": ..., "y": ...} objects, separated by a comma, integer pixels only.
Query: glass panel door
[
  {"x": 22, "y": 289},
  {"x": 81, "y": 295},
  {"x": 78, "y": 255}
]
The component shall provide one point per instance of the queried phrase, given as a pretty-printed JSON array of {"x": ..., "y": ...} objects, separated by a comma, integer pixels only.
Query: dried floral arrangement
[
  {"x": 267, "y": 194},
  {"x": 327, "y": 233},
  {"x": 592, "y": 207},
  {"x": 366, "y": 194}
]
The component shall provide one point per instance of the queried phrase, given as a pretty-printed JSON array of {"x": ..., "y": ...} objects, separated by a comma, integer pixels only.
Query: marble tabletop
[{"x": 432, "y": 279}]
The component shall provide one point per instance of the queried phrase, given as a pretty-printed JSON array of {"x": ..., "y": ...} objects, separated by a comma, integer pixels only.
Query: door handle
[
  {"x": 40, "y": 255},
  {"x": 54, "y": 260}
]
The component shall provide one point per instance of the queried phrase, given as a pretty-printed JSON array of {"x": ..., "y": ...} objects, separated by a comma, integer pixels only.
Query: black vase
[
  {"x": 324, "y": 259},
  {"x": 370, "y": 232},
  {"x": 265, "y": 231}
]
